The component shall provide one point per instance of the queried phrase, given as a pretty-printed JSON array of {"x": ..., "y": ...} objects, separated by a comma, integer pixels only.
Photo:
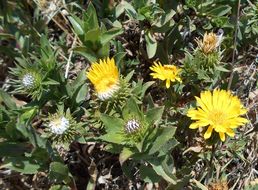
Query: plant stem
[
  {"x": 70, "y": 57},
  {"x": 235, "y": 47}
]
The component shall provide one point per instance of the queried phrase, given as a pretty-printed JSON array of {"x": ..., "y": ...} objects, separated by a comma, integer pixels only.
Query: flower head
[
  {"x": 28, "y": 80},
  {"x": 105, "y": 78},
  {"x": 170, "y": 73},
  {"x": 220, "y": 111},
  {"x": 209, "y": 43},
  {"x": 132, "y": 126},
  {"x": 59, "y": 125}
]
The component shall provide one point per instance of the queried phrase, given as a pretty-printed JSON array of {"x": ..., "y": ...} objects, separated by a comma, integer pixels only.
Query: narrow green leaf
[
  {"x": 21, "y": 164},
  {"x": 164, "y": 134},
  {"x": 119, "y": 57},
  {"x": 77, "y": 25},
  {"x": 131, "y": 108},
  {"x": 7, "y": 99},
  {"x": 149, "y": 175},
  {"x": 113, "y": 137},
  {"x": 151, "y": 45},
  {"x": 159, "y": 170},
  {"x": 129, "y": 76},
  {"x": 110, "y": 34},
  {"x": 122, "y": 6},
  {"x": 154, "y": 115},
  {"x": 125, "y": 154},
  {"x": 112, "y": 124},
  {"x": 81, "y": 95},
  {"x": 87, "y": 53},
  {"x": 145, "y": 87},
  {"x": 59, "y": 187},
  {"x": 220, "y": 10},
  {"x": 58, "y": 172}
]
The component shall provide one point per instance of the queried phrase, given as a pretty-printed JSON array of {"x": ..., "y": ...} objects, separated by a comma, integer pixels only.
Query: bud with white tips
[
  {"x": 59, "y": 125},
  {"x": 28, "y": 80},
  {"x": 132, "y": 126}
]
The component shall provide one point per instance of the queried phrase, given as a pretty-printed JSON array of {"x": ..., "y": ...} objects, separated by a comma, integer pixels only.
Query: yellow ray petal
[{"x": 208, "y": 132}]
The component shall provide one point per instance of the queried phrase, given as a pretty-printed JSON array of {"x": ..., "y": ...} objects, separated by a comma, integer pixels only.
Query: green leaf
[
  {"x": 110, "y": 34},
  {"x": 112, "y": 124},
  {"x": 51, "y": 82},
  {"x": 170, "y": 144},
  {"x": 220, "y": 68},
  {"x": 91, "y": 19},
  {"x": 154, "y": 115},
  {"x": 160, "y": 171},
  {"x": 77, "y": 25},
  {"x": 220, "y": 10},
  {"x": 129, "y": 76},
  {"x": 103, "y": 52},
  {"x": 164, "y": 134},
  {"x": 119, "y": 58},
  {"x": 161, "y": 21},
  {"x": 92, "y": 39},
  {"x": 125, "y": 154},
  {"x": 121, "y": 7},
  {"x": 28, "y": 113},
  {"x": 132, "y": 109},
  {"x": 7, "y": 99},
  {"x": 35, "y": 139},
  {"x": 151, "y": 45},
  {"x": 58, "y": 172},
  {"x": 149, "y": 175},
  {"x": 59, "y": 187},
  {"x": 21, "y": 164},
  {"x": 113, "y": 137},
  {"x": 145, "y": 88},
  {"x": 113, "y": 148},
  {"x": 12, "y": 148},
  {"x": 87, "y": 53},
  {"x": 81, "y": 95}
]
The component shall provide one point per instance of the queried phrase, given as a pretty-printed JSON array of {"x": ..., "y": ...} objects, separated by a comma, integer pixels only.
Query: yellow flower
[
  {"x": 105, "y": 78},
  {"x": 165, "y": 72},
  {"x": 209, "y": 43},
  {"x": 220, "y": 111}
]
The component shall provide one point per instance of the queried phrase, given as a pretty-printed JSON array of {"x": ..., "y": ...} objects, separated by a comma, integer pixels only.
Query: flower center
[
  {"x": 169, "y": 70},
  {"x": 106, "y": 84},
  {"x": 217, "y": 117}
]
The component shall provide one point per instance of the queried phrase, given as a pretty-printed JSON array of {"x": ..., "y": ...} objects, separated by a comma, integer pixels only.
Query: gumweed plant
[
  {"x": 32, "y": 76},
  {"x": 204, "y": 63},
  {"x": 137, "y": 135},
  {"x": 161, "y": 117}
]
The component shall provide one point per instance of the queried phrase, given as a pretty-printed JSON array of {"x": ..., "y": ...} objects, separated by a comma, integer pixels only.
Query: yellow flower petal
[
  {"x": 222, "y": 136},
  {"x": 194, "y": 126},
  {"x": 208, "y": 132},
  {"x": 230, "y": 132},
  {"x": 167, "y": 83}
]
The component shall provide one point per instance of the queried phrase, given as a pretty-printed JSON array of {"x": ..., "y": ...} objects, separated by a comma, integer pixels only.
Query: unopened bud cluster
[
  {"x": 28, "y": 80},
  {"x": 59, "y": 125},
  {"x": 132, "y": 126}
]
